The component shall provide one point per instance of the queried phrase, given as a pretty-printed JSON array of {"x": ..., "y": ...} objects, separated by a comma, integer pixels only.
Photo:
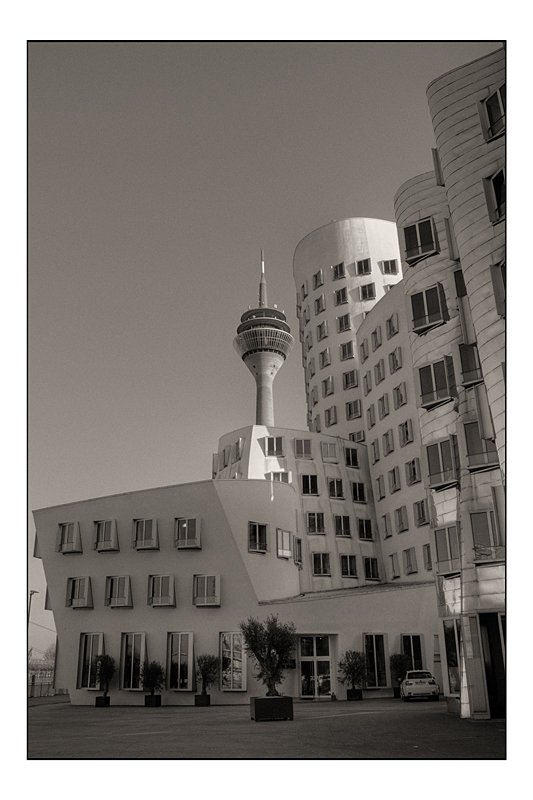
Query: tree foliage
[
  {"x": 207, "y": 670},
  {"x": 270, "y": 644},
  {"x": 153, "y": 676},
  {"x": 353, "y": 668},
  {"x": 399, "y": 664},
  {"x": 105, "y": 670}
]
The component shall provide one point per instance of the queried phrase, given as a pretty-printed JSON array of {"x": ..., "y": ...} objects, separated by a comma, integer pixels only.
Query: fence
[{"x": 43, "y": 688}]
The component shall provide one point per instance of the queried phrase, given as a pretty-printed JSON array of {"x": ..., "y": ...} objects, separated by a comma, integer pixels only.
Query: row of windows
[
  {"x": 412, "y": 476},
  {"x": 303, "y": 448},
  {"x": 348, "y": 564},
  {"x": 145, "y": 535},
  {"x": 405, "y": 433},
  {"x": 401, "y": 518},
  {"x": 309, "y": 486},
  {"x": 392, "y": 327},
  {"x": 161, "y": 591},
  {"x": 338, "y": 271},
  {"x": 316, "y": 525},
  {"x": 488, "y": 540},
  {"x": 346, "y": 349},
  {"x": 230, "y": 454},
  {"x": 395, "y": 363},
  {"x": 399, "y": 397},
  {"x": 409, "y": 561}
]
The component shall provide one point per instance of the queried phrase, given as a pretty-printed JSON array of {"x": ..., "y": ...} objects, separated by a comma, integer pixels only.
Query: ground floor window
[
  {"x": 315, "y": 666},
  {"x": 180, "y": 661},
  {"x": 452, "y": 643},
  {"x": 132, "y": 660},
  {"x": 412, "y": 647},
  {"x": 233, "y": 671},
  {"x": 376, "y": 673},
  {"x": 91, "y": 646}
]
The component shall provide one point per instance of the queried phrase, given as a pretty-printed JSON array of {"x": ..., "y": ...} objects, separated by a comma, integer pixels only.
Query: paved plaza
[{"x": 386, "y": 729}]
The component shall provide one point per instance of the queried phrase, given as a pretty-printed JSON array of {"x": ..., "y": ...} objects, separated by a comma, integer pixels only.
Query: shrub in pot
[
  {"x": 399, "y": 664},
  {"x": 353, "y": 671},
  {"x": 207, "y": 671},
  {"x": 270, "y": 644},
  {"x": 153, "y": 679},
  {"x": 105, "y": 670}
]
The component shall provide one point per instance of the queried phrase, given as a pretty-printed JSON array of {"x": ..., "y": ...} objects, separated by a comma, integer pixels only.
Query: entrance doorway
[
  {"x": 492, "y": 629},
  {"x": 315, "y": 666}
]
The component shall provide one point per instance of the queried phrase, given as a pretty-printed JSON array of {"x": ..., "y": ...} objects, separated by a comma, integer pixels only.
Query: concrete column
[{"x": 264, "y": 366}]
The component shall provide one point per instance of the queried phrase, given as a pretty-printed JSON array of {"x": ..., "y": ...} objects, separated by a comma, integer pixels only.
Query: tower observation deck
[{"x": 263, "y": 341}]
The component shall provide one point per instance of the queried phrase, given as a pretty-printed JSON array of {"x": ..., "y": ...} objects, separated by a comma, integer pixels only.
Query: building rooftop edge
[
  {"x": 335, "y": 593},
  {"x": 334, "y": 221},
  {"x": 461, "y": 66}
]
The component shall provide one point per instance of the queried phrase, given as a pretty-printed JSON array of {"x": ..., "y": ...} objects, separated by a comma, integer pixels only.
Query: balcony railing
[
  {"x": 256, "y": 339},
  {"x": 483, "y": 552},
  {"x": 448, "y": 476},
  {"x": 484, "y": 459}
]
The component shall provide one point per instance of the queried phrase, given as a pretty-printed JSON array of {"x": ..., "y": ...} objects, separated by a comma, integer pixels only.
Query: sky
[{"x": 157, "y": 173}]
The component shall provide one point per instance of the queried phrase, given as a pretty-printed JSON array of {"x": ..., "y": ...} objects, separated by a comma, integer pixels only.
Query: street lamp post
[{"x": 32, "y": 592}]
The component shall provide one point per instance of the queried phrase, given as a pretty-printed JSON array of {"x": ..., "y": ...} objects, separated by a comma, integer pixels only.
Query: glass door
[{"x": 315, "y": 666}]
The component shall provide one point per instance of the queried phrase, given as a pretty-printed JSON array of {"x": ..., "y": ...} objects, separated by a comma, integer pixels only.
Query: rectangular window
[
  {"x": 335, "y": 488},
  {"x": 145, "y": 535},
  {"x": 395, "y": 566},
  {"x": 346, "y": 351},
  {"x": 447, "y": 546},
  {"x": 322, "y": 331},
  {"x": 412, "y": 471},
  {"x": 400, "y": 519},
  {"x": 324, "y": 358},
  {"x": 278, "y": 477},
  {"x": 376, "y": 338},
  {"x": 498, "y": 277},
  {"x": 420, "y": 240},
  {"x": 426, "y": 554},
  {"x": 309, "y": 340},
  {"x": 412, "y": 647},
  {"x": 91, "y": 646},
  {"x": 79, "y": 593},
  {"x": 379, "y": 371},
  {"x": 390, "y": 267},
  {"x": 376, "y": 672},
  {"x": 405, "y": 431},
  {"x": 358, "y": 493},
  {"x": 409, "y": 561},
  {"x": 371, "y": 569},
  {"x": 315, "y": 522},
  {"x": 353, "y": 409},
  {"x": 363, "y": 267},
  {"x": 343, "y": 323},
  {"x": 302, "y": 448},
  {"x": 383, "y": 406},
  {"x": 392, "y": 326},
  {"x": 370, "y": 416},
  {"x": 394, "y": 480},
  {"x": 342, "y": 526},
  {"x": 495, "y": 195},
  {"x": 363, "y": 350},
  {"x": 340, "y": 296},
  {"x": 314, "y": 395},
  {"x": 321, "y": 564},
  {"x": 349, "y": 379},
  {"x": 367, "y": 383},
  {"x": 69, "y": 538},
  {"x": 387, "y": 528},
  {"x": 180, "y": 669},
  {"x": 320, "y": 304},
  {"x": 161, "y": 590},
  {"x": 309, "y": 484},
  {"x": 395, "y": 360},
  {"x": 485, "y": 534},
  {"x": 284, "y": 543},
  {"x": 437, "y": 383},
  {"x": 327, "y": 386},
  {"x": 118, "y": 592},
  {"x": 368, "y": 291},
  {"x": 318, "y": 279},
  {"x": 374, "y": 450},
  {"x": 187, "y": 533},
  {"x": 364, "y": 527},
  {"x": 481, "y": 453},
  {"x": 388, "y": 442},
  {"x": 348, "y": 566},
  {"x": 106, "y": 536},
  {"x": 351, "y": 458},
  {"x": 238, "y": 450},
  {"x": 257, "y": 537},
  {"x": 330, "y": 416},
  {"x": 429, "y": 308},
  {"x": 492, "y": 114},
  {"x": 441, "y": 463},
  {"x": 399, "y": 394},
  {"x": 223, "y": 460},
  {"x": 206, "y": 590},
  {"x": 358, "y": 436},
  {"x": 317, "y": 425},
  {"x": 304, "y": 291},
  {"x": 420, "y": 513},
  {"x": 338, "y": 271},
  {"x": 297, "y": 554},
  {"x": 380, "y": 487},
  {"x": 274, "y": 446},
  {"x": 470, "y": 365},
  {"x": 133, "y": 656},
  {"x": 232, "y": 662},
  {"x": 452, "y": 639}
]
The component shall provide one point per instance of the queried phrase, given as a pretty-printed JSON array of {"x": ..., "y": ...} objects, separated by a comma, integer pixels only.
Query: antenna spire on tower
[{"x": 263, "y": 303}]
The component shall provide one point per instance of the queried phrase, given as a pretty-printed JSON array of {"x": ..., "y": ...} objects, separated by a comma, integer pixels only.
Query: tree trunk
[{"x": 272, "y": 691}]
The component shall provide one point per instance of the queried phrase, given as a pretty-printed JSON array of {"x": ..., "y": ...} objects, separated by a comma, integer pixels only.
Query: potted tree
[
  {"x": 207, "y": 670},
  {"x": 270, "y": 644},
  {"x": 399, "y": 664},
  {"x": 153, "y": 678},
  {"x": 353, "y": 668},
  {"x": 105, "y": 670}
]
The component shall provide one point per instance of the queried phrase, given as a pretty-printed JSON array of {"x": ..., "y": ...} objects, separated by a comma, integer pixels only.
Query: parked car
[{"x": 419, "y": 683}]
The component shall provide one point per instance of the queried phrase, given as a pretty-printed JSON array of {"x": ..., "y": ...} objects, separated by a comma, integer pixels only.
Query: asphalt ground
[{"x": 371, "y": 729}]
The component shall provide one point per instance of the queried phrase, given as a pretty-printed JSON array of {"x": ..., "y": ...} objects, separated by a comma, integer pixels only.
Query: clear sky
[{"x": 158, "y": 171}]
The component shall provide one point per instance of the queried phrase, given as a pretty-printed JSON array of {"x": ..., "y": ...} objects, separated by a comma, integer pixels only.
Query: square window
[
  {"x": 145, "y": 535},
  {"x": 437, "y": 383},
  {"x": 257, "y": 537},
  {"x": 351, "y": 457},
  {"x": 342, "y": 526},
  {"x": 330, "y": 416},
  {"x": 390, "y": 267},
  {"x": 187, "y": 533},
  {"x": 363, "y": 267},
  {"x": 376, "y": 338},
  {"x": 302, "y": 448},
  {"x": 161, "y": 590},
  {"x": 346, "y": 351},
  {"x": 106, "y": 536},
  {"x": 340, "y": 296},
  {"x": 324, "y": 359},
  {"x": 368, "y": 291},
  {"x": 420, "y": 240},
  {"x": 206, "y": 590},
  {"x": 343, "y": 323},
  {"x": 358, "y": 436},
  {"x": 321, "y": 564},
  {"x": 441, "y": 458},
  {"x": 79, "y": 593},
  {"x": 338, "y": 271},
  {"x": 353, "y": 409},
  {"x": 349, "y": 379},
  {"x": 348, "y": 566},
  {"x": 318, "y": 279},
  {"x": 118, "y": 592},
  {"x": 429, "y": 308},
  {"x": 327, "y": 386},
  {"x": 328, "y": 450},
  {"x": 335, "y": 488},
  {"x": 309, "y": 484},
  {"x": 315, "y": 522},
  {"x": 69, "y": 538}
]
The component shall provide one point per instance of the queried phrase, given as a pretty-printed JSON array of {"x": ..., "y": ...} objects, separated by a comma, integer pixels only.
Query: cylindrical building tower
[{"x": 263, "y": 341}]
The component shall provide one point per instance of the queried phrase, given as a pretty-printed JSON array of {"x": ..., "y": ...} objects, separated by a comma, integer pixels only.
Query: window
[
  {"x": 79, "y": 593},
  {"x": 306, "y": 315},
  {"x": 314, "y": 395},
  {"x": 343, "y": 323},
  {"x": 405, "y": 431},
  {"x": 69, "y": 538},
  {"x": 409, "y": 561},
  {"x": 349, "y": 379},
  {"x": 327, "y": 386},
  {"x": 340, "y": 296},
  {"x": 363, "y": 350},
  {"x": 342, "y": 526},
  {"x": 133, "y": 657},
  {"x": 376, "y": 338},
  {"x": 91, "y": 646},
  {"x": 180, "y": 669},
  {"x": 187, "y": 533},
  {"x": 385, "y": 522},
  {"x": 118, "y": 591},
  {"x": 161, "y": 590},
  {"x": 274, "y": 446},
  {"x": 257, "y": 537},
  {"x": 330, "y": 416},
  {"x": 297, "y": 555},
  {"x": 309, "y": 340},
  {"x": 324, "y": 358},
  {"x": 350, "y": 454},
  {"x": 412, "y": 647},
  {"x": 392, "y": 326},
  {"x": 206, "y": 590},
  {"x": 321, "y": 564},
  {"x": 412, "y": 471},
  {"x": 348, "y": 566},
  {"x": 429, "y": 308},
  {"x": 420, "y": 240},
  {"x": 399, "y": 394},
  {"x": 379, "y": 371},
  {"x": 106, "y": 536},
  {"x": 380, "y": 487},
  {"x": 383, "y": 406},
  {"x": 470, "y": 365},
  {"x": 346, "y": 351},
  {"x": 145, "y": 536},
  {"x": 278, "y": 477},
  {"x": 223, "y": 459},
  {"x": 487, "y": 541},
  {"x": 452, "y": 640},
  {"x": 388, "y": 442},
  {"x": 495, "y": 195},
  {"x": 374, "y": 450},
  {"x": 394, "y": 480},
  {"x": 426, "y": 555},
  {"x": 441, "y": 458},
  {"x": 364, "y": 527},
  {"x": 302, "y": 448},
  {"x": 309, "y": 484},
  {"x": 395, "y": 360},
  {"x": 335, "y": 488},
  {"x": 305, "y": 290},
  {"x": 376, "y": 672},
  {"x": 368, "y": 291},
  {"x": 439, "y": 180},
  {"x": 481, "y": 453},
  {"x": 363, "y": 267},
  {"x": 214, "y": 468},
  {"x": 497, "y": 274},
  {"x": 420, "y": 513},
  {"x": 371, "y": 569},
  {"x": 338, "y": 271},
  {"x": 358, "y": 436},
  {"x": 492, "y": 114},
  {"x": 322, "y": 331},
  {"x": 390, "y": 267},
  {"x": 395, "y": 566},
  {"x": 353, "y": 409},
  {"x": 358, "y": 492},
  {"x": 370, "y": 416},
  {"x": 367, "y": 382},
  {"x": 315, "y": 522},
  {"x": 317, "y": 424},
  {"x": 284, "y": 543},
  {"x": 238, "y": 451},
  {"x": 447, "y": 546},
  {"x": 320, "y": 304},
  {"x": 233, "y": 662},
  {"x": 400, "y": 519},
  {"x": 437, "y": 383},
  {"x": 318, "y": 279}
]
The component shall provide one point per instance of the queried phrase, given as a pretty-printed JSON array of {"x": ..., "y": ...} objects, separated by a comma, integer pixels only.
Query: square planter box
[
  {"x": 354, "y": 694},
  {"x": 152, "y": 700},
  {"x": 202, "y": 699},
  {"x": 264, "y": 708},
  {"x": 102, "y": 702}
]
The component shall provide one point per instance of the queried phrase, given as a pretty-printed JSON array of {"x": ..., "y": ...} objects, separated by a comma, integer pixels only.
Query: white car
[{"x": 419, "y": 683}]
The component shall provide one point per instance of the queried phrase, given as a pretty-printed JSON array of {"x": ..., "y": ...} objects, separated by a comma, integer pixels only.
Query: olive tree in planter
[
  {"x": 353, "y": 668},
  {"x": 105, "y": 670},
  {"x": 153, "y": 678},
  {"x": 399, "y": 664},
  {"x": 270, "y": 644},
  {"x": 207, "y": 671}
]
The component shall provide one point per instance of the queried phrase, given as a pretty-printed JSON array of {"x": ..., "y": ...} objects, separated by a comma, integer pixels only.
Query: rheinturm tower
[{"x": 263, "y": 341}]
